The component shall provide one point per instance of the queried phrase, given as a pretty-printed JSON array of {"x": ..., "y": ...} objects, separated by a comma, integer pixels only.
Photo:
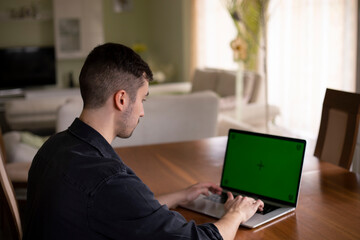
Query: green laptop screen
[{"x": 263, "y": 165}]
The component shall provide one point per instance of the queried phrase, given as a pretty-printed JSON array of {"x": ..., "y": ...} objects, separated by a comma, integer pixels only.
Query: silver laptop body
[{"x": 261, "y": 166}]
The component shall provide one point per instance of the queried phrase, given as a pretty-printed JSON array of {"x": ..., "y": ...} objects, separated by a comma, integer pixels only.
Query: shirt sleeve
[{"x": 125, "y": 208}]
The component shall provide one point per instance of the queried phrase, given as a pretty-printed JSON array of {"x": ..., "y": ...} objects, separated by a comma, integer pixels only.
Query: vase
[{"x": 239, "y": 90}]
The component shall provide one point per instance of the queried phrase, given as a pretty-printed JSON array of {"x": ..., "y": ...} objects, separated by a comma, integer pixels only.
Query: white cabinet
[{"x": 78, "y": 26}]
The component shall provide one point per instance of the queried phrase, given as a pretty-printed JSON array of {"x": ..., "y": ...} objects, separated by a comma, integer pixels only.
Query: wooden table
[{"x": 329, "y": 204}]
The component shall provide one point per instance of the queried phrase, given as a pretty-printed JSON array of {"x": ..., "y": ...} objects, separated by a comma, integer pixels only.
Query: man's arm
[
  {"x": 187, "y": 195},
  {"x": 125, "y": 203},
  {"x": 238, "y": 210}
]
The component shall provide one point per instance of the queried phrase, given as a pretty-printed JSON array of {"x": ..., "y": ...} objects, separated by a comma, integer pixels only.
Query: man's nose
[{"x": 142, "y": 113}]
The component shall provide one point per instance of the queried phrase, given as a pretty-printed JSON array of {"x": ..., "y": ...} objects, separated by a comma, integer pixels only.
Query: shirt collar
[{"x": 92, "y": 137}]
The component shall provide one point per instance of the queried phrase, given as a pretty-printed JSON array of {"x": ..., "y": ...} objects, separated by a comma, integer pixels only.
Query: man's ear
[{"x": 120, "y": 100}]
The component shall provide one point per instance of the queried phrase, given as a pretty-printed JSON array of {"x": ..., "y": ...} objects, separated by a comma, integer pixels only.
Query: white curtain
[
  {"x": 311, "y": 47},
  {"x": 215, "y": 31}
]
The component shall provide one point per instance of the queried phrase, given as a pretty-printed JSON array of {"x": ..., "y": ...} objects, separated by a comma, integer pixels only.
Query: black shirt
[{"x": 78, "y": 188}]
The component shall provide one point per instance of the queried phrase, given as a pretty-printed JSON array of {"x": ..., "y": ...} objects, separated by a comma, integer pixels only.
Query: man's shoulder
[
  {"x": 88, "y": 172},
  {"x": 77, "y": 162}
]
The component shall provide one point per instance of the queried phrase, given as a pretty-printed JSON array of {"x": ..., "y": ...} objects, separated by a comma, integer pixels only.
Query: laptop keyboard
[
  {"x": 267, "y": 208},
  {"x": 217, "y": 198},
  {"x": 223, "y": 197}
]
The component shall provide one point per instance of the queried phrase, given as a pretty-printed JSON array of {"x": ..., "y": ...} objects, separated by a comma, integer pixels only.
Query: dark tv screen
[{"x": 23, "y": 67}]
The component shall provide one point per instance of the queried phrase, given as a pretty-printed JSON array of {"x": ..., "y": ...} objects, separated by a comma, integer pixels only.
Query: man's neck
[{"x": 101, "y": 121}]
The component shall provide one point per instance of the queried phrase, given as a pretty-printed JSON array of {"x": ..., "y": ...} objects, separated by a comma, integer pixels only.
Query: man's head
[
  {"x": 109, "y": 68},
  {"x": 114, "y": 81}
]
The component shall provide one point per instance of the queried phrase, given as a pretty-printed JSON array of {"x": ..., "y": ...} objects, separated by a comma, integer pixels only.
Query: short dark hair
[{"x": 109, "y": 68}]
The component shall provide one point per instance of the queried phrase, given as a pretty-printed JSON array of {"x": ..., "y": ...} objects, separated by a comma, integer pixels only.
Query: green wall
[
  {"x": 160, "y": 24},
  {"x": 167, "y": 34},
  {"x": 27, "y": 31},
  {"x": 127, "y": 27}
]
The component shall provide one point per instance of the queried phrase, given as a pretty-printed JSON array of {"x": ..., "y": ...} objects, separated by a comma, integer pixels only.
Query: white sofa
[
  {"x": 168, "y": 118},
  {"x": 38, "y": 108}
]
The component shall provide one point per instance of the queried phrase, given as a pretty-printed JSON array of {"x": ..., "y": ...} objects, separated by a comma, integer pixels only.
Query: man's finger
[
  {"x": 230, "y": 196},
  {"x": 215, "y": 189},
  {"x": 259, "y": 204}
]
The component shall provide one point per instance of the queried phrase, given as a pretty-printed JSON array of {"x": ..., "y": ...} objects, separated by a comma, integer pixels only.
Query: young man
[{"x": 78, "y": 187}]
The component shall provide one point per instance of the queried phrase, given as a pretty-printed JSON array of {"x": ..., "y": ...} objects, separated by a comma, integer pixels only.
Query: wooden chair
[
  {"x": 8, "y": 202},
  {"x": 2, "y": 147},
  {"x": 338, "y": 128}
]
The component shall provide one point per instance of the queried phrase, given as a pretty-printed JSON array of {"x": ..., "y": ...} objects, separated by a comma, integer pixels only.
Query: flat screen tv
[{"x": 24, "y": 67}]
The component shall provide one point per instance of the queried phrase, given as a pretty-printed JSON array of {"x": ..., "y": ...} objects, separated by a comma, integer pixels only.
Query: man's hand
[
  {"x": 238, "y": 210},
  {"x": 189, "y": 194},
  {"x": 193, "y": 192},
  {"x": 244, "y": 206}
]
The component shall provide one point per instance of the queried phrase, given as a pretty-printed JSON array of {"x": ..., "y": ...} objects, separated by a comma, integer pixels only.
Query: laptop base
[{"x": 215, "y": 209}]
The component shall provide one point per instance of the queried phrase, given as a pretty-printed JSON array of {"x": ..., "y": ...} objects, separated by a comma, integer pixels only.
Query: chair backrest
[
  {"x": 7, "y": 197},
  {"x": 2, "y": 147},
  {"x": 338, "y": 127}
]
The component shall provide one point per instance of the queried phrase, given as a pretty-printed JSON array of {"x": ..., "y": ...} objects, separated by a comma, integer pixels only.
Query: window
[
  {"x": 215, "y": 30},
  {"x": 311, "y": 46}
]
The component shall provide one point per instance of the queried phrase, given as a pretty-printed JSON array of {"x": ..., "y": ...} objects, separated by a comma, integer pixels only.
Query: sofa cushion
[
  {"x": 67, "y": 113},
  {"x": 204, "y": 80},
  {"x": 225, "y": 83},
  {"x": 17, "y": 150}
]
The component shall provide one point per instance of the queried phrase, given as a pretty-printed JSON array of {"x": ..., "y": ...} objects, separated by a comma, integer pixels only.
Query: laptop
[{"x": 261, "y": 166}]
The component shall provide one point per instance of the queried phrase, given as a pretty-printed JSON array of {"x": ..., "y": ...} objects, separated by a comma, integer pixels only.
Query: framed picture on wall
[
  {"x": 122, "y": 5},
  {"x": 69, "y": 31}
]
